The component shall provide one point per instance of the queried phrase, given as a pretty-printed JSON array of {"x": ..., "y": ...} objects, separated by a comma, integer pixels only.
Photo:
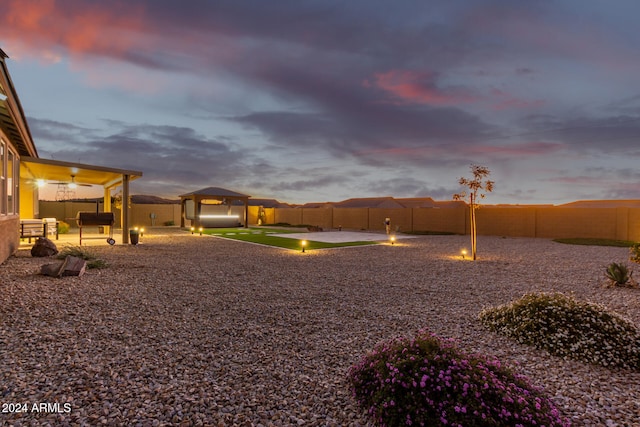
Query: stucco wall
[
  {"x": 288, "y": 216},
  {"x": 514, "y": 222},
  {"x": 546, "y": 222},
  {"x": 440, "y": 220},
  {"x": 576, "y": 222},
  {"x": 401, "y": 219},
  {"x": 141, "y": 215},
  {"x": 356, "y": 218}
]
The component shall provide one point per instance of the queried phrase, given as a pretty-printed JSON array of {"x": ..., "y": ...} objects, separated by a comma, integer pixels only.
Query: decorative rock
[
  {"x": 71, "y": 266},
  {"x": 43, "y": 248},
  {"x": 172, "y": 332}
]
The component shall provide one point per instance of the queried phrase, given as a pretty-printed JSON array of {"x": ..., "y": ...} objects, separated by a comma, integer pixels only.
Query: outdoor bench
[{"x": 30, "y": 228}]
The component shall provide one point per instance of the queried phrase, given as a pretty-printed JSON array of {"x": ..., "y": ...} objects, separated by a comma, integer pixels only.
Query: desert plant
[
  {"x": 569, "y": 328},
  {"x": 426, "y": 381},
  {"x": 619, "y": 275},
  {"x": 475, "y": 187},
  {"x": 79, "y": 252}
]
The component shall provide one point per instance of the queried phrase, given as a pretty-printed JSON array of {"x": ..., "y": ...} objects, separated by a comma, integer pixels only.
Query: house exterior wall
[
  {"x": 29, "y": 206},
  {"x": 9, "y": 198},
  {"x": 15, "y": 141},
  {"x": 9, "y": 236}
]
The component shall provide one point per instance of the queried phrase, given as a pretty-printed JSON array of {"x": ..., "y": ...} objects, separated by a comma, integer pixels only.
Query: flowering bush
[
  {"x": 566, "y": 327},
  {"x": 426, "y": 381}
]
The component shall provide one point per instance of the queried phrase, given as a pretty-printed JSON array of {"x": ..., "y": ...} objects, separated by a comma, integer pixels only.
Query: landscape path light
[
  {"x": 463, "y": 253},
  {"x": 193, "y": 229},
  {"x": 303, "y": 244},
  {"x": 200, "y": 230}
]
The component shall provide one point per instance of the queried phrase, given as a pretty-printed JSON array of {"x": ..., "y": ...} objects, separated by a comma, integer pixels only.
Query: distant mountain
[{"x": 141, "y": 199}]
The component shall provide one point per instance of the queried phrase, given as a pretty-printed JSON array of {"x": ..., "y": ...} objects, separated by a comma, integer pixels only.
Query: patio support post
[
  {"x": 107, "y": 207},
  {"x": 125, "y": 209}
]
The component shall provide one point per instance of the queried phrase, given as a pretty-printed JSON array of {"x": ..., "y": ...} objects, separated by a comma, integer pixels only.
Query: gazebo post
[
  {"x": 182, "y": 212},
  {"x": 197, "y": 201},
  {"x": 246, "y": 213}
]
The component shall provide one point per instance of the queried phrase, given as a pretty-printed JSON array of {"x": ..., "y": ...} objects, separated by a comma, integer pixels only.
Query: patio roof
[
  {"x": 55, "y": 170},
  {"x": 215, "y": 192}
]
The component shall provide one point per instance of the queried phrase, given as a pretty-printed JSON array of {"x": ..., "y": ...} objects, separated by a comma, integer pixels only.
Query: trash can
[{"x": 134, "y": 236}]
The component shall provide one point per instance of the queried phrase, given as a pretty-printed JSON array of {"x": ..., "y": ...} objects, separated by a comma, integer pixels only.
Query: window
[
  {"x": 9, "y": 179},
  {"x": 11, "y": 199},
  {"x": 3, "y": 179}
]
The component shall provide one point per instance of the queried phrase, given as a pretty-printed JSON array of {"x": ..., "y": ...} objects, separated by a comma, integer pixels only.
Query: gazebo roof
[{"x": 215, "y": 192}]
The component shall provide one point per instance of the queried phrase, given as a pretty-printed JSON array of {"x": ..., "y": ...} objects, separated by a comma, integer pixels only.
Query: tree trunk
[{"x": 473, "y": 228}]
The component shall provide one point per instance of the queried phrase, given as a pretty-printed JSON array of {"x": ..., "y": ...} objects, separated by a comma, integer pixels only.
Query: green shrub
[
  {"x": 63, "y": 227},
  {"x": 85, "y": 254},
  {"x": 426, "y": 381},
  {"x": 169, "y": 223},
  {"x": 619, "y": 275},
  {"x": 566, "y": 327}
]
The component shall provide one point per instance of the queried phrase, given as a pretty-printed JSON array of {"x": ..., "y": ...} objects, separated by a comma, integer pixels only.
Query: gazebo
[{"x": 192, "y": 207}]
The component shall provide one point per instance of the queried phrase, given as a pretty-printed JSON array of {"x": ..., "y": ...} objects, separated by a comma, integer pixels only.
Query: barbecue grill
[{"x": 96, "y": 219}]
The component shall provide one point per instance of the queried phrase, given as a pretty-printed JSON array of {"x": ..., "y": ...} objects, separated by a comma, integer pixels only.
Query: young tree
[{"x": 475, "y": 186}]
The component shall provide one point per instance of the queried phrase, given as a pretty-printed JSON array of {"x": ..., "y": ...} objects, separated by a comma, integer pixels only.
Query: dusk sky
[{"x": 327, "y": 100}]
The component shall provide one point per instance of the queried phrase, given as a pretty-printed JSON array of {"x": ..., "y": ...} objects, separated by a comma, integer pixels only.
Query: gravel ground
[{"x": 195, "y": 330}]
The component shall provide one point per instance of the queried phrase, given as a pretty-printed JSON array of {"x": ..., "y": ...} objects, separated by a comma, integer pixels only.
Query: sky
[{"x": 313, "y": 101}]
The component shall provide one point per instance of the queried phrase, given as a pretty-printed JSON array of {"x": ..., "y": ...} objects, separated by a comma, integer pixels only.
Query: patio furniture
[{"x": 34, "y": 227}]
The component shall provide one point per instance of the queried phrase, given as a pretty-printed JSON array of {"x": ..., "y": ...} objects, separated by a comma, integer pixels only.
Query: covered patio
[{"x": 35, "y": 171}]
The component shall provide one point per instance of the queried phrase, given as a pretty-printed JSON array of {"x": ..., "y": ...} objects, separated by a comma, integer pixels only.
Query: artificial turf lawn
[
  {"x": 596, "y": 242},
  {"x": 263, "y": 236}
]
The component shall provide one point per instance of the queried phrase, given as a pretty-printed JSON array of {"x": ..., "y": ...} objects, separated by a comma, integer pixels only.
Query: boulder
[
  {"x": 44, "y": 248},
  {"x": 71, "y": 266}
]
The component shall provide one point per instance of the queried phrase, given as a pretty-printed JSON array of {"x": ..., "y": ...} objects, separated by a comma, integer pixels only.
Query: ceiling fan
[{"x": 71, "y": 184}]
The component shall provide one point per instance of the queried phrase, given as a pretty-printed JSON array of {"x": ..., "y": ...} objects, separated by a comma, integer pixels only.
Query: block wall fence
[{"x": 545, "y": 222}]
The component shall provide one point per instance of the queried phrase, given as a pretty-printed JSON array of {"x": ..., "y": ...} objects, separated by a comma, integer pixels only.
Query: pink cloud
[
  {"x": 417, "y": 87},
  {"x": 76, "y": 26}
]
